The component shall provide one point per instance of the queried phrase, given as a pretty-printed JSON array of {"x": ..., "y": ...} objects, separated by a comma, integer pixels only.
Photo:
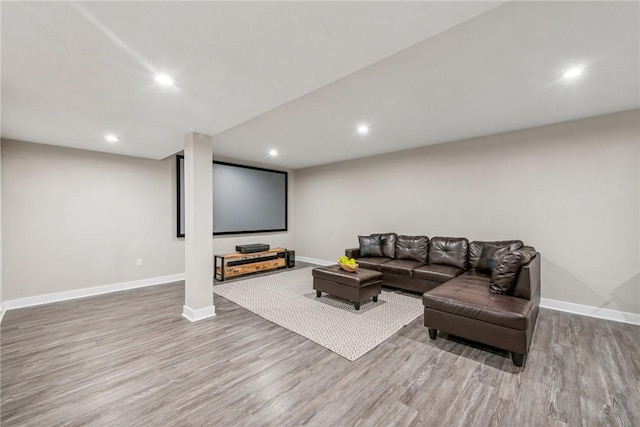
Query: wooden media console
[{"x": 237, "y": 264}]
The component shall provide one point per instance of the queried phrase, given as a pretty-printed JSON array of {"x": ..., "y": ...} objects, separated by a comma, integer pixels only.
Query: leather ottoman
[{"x": 358, "y": 286}]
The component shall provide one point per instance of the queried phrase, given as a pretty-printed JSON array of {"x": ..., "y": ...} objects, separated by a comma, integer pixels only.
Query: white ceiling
[{"x": 300, "y": 76}]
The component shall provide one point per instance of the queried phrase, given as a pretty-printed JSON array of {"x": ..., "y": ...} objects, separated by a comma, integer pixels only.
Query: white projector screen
[{"x": 245, "y": 199}]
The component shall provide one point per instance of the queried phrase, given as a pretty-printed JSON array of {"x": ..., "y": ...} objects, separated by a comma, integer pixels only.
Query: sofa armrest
[
  {"x": 352, "y": 253},
  {"x": 528, "y": 283}
]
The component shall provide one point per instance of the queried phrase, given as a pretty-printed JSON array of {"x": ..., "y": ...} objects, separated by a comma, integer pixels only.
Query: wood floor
[{"x": 131, "y": 359}]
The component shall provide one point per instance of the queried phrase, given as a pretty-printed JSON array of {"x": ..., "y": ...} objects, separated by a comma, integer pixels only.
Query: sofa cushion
[
  {"x": 372, "y": 263},
  {"x": 468, "y": 296},
  {"x": 507, "y": 268},
  {"x": 413, "y": 248},
  {"x": 475, "y": 249},
  {"x": 437, "y": 272},
  {"x": 400, "y": 267},
  {"x": 449, "y": 251},
  {"x": 370, "y": 245},
  {"x": 389, "y": 244}
]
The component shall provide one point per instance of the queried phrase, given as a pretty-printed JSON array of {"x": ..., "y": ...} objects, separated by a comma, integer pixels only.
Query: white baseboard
[
  {"x": 199, "y": 314},
  {"x": 587, "y": 310},
  {"x": 315, "y": 260},
  {"x": 89, "y": 292},
  {"x": 195, "y": 315}
]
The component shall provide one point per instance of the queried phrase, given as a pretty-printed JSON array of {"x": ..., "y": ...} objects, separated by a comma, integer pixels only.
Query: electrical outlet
[{"x": 139, "y": 262}]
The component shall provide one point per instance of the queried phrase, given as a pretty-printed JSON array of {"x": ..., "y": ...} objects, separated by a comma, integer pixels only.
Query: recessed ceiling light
[
  {"x": 273, "y": 153},
  {"x": 164, "y": 79},
  {"x": 111, "y": 138},
  {"x": 572, "y": 73},
  {"x": 363, "y": 129}
]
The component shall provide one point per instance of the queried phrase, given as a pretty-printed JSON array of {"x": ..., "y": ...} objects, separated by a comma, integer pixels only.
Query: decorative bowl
[{"x": 351, "y": 268}]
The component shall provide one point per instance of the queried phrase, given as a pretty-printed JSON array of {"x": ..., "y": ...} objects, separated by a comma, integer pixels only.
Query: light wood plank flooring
[{"x": 130, "y": 359}]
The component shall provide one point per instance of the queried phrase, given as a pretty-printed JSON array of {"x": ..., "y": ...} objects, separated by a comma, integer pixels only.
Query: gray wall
[
  {"x": 76, "y": 219},
  {"x": 571, "y": 190}
]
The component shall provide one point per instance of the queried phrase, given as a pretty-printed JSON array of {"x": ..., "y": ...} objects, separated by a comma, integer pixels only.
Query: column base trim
[{"x": 199, "y": 314}]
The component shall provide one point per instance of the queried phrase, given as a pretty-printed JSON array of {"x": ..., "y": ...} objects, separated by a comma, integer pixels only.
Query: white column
[
  {"x": 198, "y": 186},
  {"x": 1, "y": 304}
]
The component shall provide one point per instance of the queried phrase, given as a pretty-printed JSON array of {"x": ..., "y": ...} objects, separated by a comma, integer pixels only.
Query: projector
[{"x": 251, "y": 248}]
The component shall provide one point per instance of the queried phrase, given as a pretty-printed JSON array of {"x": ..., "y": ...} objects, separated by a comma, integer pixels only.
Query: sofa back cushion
[
  {"x": 412, "y": 247},
  {"x": 507, "y": 268},
  {"x": 370, "y": 246},
  {"x": 449, "y": 251},
  {"x": 389, "y": 244},
  {"x": 475, "y": 249}
]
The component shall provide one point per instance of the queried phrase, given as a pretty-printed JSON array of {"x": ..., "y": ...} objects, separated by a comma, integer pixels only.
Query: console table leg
[
  {"x": 375, "y": 299},
  {"x": 318, "y": 294},
  {"x": 356, "y": 305}
]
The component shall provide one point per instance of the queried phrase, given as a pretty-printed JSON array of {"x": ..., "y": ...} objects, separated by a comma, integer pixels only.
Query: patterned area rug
[{"x": 288, "y": 299}]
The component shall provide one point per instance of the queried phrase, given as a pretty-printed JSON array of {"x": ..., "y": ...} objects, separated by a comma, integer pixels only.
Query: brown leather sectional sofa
[{"x": 487, "y": 292}]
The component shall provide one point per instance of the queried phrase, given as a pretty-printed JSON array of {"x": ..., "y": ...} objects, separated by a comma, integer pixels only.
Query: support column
[
  {"x": 198, "y": 186},
  {"x": 1, "y": 303}
]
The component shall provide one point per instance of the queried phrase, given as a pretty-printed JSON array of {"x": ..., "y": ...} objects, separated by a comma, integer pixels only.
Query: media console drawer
[
  {"x": 237, "y": 264},
  {"x": 239, "y": 270}
]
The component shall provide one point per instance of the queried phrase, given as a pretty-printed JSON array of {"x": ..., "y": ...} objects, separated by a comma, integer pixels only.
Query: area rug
[{"x": 288, "y": 299}]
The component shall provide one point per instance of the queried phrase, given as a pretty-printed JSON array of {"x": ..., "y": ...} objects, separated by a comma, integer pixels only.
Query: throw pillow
[
  {"x": 370, "y": 245},
  {"x": 389, "y": 244},
  {"x": 488, "y": 258},
  {"x": 475, "y": 249},
  {"x": 506, "y": 270}
]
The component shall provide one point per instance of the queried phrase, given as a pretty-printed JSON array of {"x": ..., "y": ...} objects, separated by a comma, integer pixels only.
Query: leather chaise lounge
[{"x": 487, "y": 292}]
